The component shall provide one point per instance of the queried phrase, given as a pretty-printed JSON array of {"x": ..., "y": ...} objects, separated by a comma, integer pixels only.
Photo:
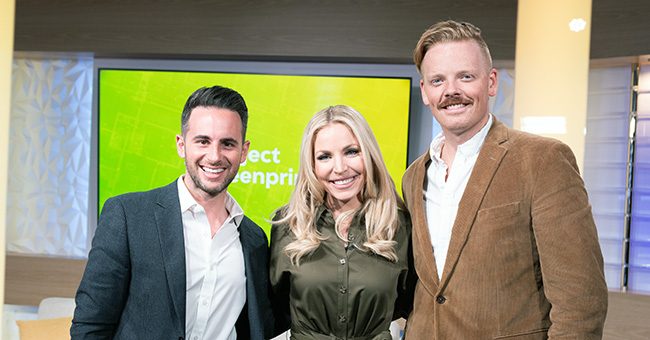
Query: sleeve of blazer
[
  {"x": 256, "y": 320},
  {"x": 570, "y": 257},
  {"x": 103, "y": 289}
]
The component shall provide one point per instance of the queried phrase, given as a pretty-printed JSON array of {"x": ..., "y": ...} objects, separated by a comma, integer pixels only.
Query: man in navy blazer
[{"x": 182, "y": 261}]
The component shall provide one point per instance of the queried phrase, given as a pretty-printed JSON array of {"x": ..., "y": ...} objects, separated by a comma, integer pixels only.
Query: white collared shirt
[
  {"x": 214, "y": 270},
  {"x": 442, "y": 197}
]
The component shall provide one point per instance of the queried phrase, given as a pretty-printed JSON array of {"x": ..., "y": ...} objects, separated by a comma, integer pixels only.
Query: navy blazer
[{"x": 134, "y": 283}]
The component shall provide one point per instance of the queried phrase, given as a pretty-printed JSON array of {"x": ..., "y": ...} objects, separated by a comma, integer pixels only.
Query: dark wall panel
[
  {"x": 364, "y": 30},
  {"x": 620, "y": 28},
  {"x": 313, "y": 30}
]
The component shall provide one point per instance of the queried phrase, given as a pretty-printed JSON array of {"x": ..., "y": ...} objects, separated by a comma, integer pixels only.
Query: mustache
[{"x": 454, "y": 101}]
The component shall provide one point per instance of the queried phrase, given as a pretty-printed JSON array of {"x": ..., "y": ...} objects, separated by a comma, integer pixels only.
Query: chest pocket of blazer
[{"x": 499, "y": 215}]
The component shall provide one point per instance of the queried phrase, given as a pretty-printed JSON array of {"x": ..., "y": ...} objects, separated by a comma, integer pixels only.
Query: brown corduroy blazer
[{"x": 523, "y": 261}]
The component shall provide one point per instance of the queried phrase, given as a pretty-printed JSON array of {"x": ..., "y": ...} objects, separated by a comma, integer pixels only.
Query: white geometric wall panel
[{"x": 50, "y": 128}]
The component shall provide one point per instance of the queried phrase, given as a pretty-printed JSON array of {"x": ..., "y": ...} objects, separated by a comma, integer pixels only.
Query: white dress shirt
[
  {"x": 214, "y": 269},
  {"x": 442, "y": 197}
]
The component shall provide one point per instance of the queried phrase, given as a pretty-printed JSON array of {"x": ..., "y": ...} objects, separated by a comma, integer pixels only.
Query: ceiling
[{"x": 311, "y": 30}]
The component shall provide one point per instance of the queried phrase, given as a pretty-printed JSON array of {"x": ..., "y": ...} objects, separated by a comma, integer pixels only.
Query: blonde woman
[{"x": 340, "y": 249}]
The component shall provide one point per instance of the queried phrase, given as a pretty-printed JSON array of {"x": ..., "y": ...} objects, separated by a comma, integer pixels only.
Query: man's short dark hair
[{"x": 216, "y": 96}]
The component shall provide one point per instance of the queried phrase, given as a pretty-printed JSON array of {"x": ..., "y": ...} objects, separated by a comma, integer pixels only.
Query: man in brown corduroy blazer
[{"x": 504, "y": 240}]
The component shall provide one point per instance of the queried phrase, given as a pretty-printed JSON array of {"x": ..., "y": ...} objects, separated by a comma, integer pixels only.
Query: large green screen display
[{"x": 139, "y": 118}]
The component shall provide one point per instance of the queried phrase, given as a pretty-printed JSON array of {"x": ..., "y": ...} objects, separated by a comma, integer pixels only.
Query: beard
[{"x": 217, "y": 188}]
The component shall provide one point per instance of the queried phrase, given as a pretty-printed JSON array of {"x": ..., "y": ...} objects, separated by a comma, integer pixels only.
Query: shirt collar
[
  {"x": 188, "y": 203},
  {"x": 467, "y": 149},
  {"x": 324, "y": 217},
  {"x": 436, "y": 148}
]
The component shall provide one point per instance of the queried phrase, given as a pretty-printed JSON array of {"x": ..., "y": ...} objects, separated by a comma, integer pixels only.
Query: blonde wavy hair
[{"x": 379, "y": 200}]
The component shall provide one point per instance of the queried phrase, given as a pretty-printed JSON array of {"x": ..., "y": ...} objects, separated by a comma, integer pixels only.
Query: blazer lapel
[
  {"x": 172, "y": 243},
  {"x": 421, "y": 238},
  {"x": 487, "y": 163}
]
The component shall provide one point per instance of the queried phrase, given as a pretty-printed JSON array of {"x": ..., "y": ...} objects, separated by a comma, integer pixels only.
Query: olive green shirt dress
[{"x": 339, "y": 291}]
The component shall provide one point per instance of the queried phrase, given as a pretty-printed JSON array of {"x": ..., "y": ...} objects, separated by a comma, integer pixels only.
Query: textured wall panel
[
  {"x": 49, "y": 156},
  {"x": 503, "y": 104}
]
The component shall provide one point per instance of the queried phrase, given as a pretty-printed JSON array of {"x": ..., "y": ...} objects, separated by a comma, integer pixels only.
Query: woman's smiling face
[{"x": 339, "y": 166}]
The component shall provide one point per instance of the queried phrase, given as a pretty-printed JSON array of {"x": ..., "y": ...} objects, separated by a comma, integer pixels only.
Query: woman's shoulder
[
  {"x": 279, "y": 213},
  {"x": 280, "y": 230},
  {"x": 404, "y": 219},
  {"x": 403, "y": 236}
]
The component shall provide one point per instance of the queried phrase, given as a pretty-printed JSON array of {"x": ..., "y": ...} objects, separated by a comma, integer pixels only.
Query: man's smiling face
[
  {"x": 213, "y": 149},
  {"x": 456, "y": 84}
]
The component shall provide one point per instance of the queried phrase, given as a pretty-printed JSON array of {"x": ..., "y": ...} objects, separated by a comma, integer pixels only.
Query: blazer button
[{"x": 440, "y": 299}]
